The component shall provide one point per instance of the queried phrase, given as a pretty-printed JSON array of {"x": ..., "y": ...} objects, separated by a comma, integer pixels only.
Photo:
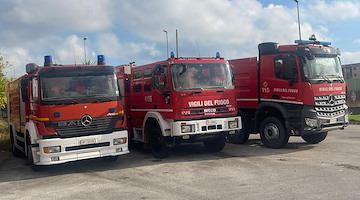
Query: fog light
[
  {"x": 187, "y": 128},
  {"x": 53, "y": 149},
  {"x": 311, "y": 122},
  {"x": 233, "y": 124},
  {"x": 118, "y": 141},
  {"x": 118, "y": 150}
]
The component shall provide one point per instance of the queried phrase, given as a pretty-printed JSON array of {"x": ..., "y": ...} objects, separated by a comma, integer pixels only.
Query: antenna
[
  {"x": 74, "y": 54},
  {"x": 177, "y": 44},
  {"x": 197, "y": 45},
  {"x": 167, "y": 44},
  {"x": 298, "y": 14},
  {"x": 54, "y": 56}
]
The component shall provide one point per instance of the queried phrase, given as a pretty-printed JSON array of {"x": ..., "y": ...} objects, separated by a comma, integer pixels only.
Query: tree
[{"x": 3, "y": 81}]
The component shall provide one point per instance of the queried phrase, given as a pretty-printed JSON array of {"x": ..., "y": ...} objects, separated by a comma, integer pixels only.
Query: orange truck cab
[{"x": 62, "y": 113}]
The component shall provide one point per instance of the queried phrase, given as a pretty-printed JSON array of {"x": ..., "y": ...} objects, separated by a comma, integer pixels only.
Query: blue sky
[{"x": 132, "y": 30}]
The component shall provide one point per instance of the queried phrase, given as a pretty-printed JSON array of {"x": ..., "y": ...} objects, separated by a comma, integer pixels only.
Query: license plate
[
  {"x": 210, "y": 122},
  {"x": 332, "y": 121},
  {"x": 88, "y": 141}
]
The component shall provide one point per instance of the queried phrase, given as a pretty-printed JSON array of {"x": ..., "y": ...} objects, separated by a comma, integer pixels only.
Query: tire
[
  {"x": 159, "y": 145},
  {"x": 216, "y": 144},
  {"x": 15, "y": 151},
  {"x": 315, "y": 138},
  {"x": 240, "y": 137},
  {"x": 273, "y": 133}
]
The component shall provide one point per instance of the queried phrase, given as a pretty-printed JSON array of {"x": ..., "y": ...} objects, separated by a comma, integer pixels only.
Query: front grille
[
  {"x": 330, "y": 106},
  {"x": 206, "y": 111},
  {"x": 74, "y": 127}
]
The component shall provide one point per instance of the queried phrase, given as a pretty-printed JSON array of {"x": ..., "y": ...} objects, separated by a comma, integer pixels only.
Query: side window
[
  {"x": 34, "y": 89},
  {"x": 137, "y": 79},
  {"x": 147, "y": 80},
  {"x": 279, "y": 68},
  {"x": 285, "y": 67},
  {"x": 159, "y": 78},
  {"x": 137, "y": 75}
]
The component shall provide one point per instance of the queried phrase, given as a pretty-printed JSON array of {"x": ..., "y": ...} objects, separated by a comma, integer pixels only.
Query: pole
[
  {"x": 167, "y": 44},
  {"x": 85, "y": 38},
  {"x": 177, "y": 44},
  {"x": 298, "y": 14}
]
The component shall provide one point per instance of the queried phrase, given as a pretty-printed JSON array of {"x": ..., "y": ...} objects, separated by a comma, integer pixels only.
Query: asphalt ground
[{"x": 329, "y": 170}]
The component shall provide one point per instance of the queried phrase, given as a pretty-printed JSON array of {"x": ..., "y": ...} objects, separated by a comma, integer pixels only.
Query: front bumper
[
  {"x": 313, "y": 125},
  {"x": 205, "y": 126},
  {"x": 80, "y": 148}
]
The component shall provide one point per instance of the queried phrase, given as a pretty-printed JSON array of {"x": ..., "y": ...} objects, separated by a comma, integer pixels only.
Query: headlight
[
  {"x": 53, "y": 149},
  {"x": 187, "y": 128},
  {"x": 311, "y": 122},
  {"x": 233, "y": 124},
  {"x": 118, "y": 141}
]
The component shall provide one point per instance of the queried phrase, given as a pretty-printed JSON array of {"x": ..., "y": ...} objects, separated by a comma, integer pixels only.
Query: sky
[{"x": 134, "y": 30}]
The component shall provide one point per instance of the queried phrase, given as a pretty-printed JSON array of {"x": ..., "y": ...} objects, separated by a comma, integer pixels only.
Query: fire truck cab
[
  {"x": 291, "y": 90},
  {"x": 181, "y": 100},
  {"x": 66, "y": 113}
]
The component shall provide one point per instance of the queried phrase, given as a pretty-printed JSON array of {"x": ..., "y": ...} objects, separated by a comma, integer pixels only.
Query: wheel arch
[
  {"x": 151, "y": 119},
  {"x": 267, "y": 109}
]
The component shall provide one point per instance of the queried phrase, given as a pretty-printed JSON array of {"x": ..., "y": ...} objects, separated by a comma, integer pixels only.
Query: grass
[
  {"x": 354, "y": 118},
  {"x": 4, "y": 136}
]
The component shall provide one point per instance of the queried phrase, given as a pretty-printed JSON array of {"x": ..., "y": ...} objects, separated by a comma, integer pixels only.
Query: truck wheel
[
  {"x": 272, "y": 133},
  {"x": 315, "y": 138},
  {"x": 216, "y": 144},
  {"x": 30, "y": 157},
  {"x": 240, "y": 137},
  {"x": 15, "y": 151},
  {"x": 159, "y": 146}
]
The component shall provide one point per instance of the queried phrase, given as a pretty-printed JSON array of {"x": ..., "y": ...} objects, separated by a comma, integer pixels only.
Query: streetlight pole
[
  {"x": 167, "y": 44},
  {"x": 85, "y": 38},
  {"x": 297, "y": 5}
]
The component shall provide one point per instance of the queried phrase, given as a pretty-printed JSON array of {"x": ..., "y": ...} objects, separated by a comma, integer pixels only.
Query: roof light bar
[{"x": 307, "y": 42}]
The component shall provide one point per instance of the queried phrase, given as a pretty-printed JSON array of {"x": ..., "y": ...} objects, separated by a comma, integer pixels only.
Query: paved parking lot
[{"x": 329, "y": 170}]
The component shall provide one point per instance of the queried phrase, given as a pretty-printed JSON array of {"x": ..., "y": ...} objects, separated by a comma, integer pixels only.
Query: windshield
[
  {"x": 322, "y": 67},
  {"x": 201, "y": 76},
  {"x": 80, "y": 88}
]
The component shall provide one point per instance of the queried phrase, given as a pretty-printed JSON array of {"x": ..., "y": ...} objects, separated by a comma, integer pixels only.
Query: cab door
[{"x": 280, "y": 79}]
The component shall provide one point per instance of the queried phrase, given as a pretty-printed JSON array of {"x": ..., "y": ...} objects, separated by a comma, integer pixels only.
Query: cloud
[
  {"x": 332, "y": 10},
  {"x": 350, "y": 57}
]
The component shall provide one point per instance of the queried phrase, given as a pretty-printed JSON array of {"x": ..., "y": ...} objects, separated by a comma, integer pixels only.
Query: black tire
[
  {"x": 240, "y": 137},
  {"x": 315, "y": 138},
  {"x": 216, "y": 144},
  {"x": 30, "y": 158},
  {"x": 273, "y": 133},
  {"x": 15, "y": 151},
  {"x": 159, "y": 145}
]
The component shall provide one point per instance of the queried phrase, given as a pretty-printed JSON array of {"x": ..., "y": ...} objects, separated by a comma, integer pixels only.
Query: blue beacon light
[{"x": 101, "y": 60}]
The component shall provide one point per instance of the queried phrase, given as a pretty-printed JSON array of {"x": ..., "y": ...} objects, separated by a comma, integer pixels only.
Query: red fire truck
[
  {"x": 66, "y": 113},
  {"x": 291, "y": 90},
  {"x": 181, "y": 100}
]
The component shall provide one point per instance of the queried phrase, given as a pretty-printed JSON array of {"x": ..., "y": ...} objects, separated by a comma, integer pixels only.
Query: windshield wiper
[
  {"x": 324, "y": 78},
  {"x": 183, "y": 69}
]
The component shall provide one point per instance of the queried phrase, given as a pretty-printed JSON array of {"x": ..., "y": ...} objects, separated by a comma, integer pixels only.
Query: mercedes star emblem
[{"x": 86, "y": 120}]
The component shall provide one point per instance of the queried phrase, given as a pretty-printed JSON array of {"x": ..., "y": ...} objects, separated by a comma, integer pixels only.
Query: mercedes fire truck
[
  {"x": 290, "y": 90},
  {"x": 66, "y": 113}
]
